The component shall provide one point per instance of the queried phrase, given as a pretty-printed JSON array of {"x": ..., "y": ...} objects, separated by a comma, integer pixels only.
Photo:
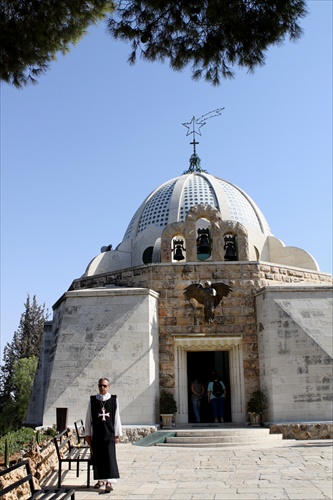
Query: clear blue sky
[{"x": 82, "y": 149}]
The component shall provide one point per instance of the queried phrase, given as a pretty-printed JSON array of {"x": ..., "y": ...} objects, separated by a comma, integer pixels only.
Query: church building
[{"x": 198, "y": 283}]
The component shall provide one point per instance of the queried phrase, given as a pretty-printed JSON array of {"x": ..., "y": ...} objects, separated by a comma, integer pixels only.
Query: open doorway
[{"x": 200, "y": 366}]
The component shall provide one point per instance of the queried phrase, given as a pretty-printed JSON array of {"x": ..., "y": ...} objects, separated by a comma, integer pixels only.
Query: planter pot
[
  {"x": 167, "y": 420},
  {"x": 255, "y": 418}
]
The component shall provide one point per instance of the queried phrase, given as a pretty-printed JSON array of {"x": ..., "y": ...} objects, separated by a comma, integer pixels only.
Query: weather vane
[{"x": 194, "y": 127}]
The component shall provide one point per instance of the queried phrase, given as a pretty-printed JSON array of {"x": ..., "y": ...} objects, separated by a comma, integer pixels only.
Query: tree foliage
[
  {"x": 20, "y": 358},
  {"x": 32, "y": 32},
  {"x": 212, "y": 35},
  {"x": 22, "y": 380}
]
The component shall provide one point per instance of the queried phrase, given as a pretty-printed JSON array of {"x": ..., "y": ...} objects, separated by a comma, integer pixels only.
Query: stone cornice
[
  {"x": 106, "y": 292},
  {"x": 294, "y": 287}
]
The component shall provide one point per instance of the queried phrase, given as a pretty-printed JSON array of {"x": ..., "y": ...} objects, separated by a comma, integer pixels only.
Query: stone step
[
  {"x": 217, "y": 445},
  {"x": 251, "y": 431},
  {"x": 221, "y": 437}
]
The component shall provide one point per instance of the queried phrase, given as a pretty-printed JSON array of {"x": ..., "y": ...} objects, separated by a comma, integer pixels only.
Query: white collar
[{"x": 104, "y": 397}]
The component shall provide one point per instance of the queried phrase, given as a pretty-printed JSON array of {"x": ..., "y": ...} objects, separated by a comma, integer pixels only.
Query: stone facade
[{"x": 235, "y": 316}]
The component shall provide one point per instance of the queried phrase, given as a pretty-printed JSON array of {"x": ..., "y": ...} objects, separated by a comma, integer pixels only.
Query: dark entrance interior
[{"x": 200, "y": 366}]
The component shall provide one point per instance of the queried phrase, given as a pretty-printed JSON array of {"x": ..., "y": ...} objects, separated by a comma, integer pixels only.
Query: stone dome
[{"x": 171, "y": 202}]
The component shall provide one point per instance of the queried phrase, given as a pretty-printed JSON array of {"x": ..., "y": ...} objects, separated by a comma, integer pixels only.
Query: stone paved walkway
[{"x": 297, "y": 470}]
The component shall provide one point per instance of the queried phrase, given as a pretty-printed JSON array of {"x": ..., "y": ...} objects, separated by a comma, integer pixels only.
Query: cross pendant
[{"x": 104, "y": 414}]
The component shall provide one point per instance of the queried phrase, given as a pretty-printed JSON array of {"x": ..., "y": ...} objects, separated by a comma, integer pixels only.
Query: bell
[
  {"x": 203, "y": 246},
  {"x": 178, "y": 248},
  {"x": 179, "y": 253},
  {"x": 230, "y": 253}
]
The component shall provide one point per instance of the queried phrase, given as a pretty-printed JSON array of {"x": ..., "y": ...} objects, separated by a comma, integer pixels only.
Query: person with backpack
[{"x": 216, "y": 398}]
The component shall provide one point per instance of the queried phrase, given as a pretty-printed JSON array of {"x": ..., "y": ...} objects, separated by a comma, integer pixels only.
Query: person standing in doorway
[
  {"x": 197, "y": 391},
  {"x": 103, "y": 429},
  {"x": 216, "y": 398}
]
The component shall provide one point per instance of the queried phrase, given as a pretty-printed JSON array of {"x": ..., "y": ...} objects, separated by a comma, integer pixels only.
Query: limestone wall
[
  {"x": 273, "y": 274},
  {"x": 36, "y": 402},
  {"x": 295, "y": 352},
  {"x": 103, "y": 332}
]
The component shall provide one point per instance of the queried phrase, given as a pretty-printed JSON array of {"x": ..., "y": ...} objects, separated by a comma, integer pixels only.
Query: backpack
[{"x": 217, "y": 389}]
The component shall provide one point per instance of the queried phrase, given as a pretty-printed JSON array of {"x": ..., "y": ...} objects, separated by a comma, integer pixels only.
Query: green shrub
[
  {"x": 258, "y": 402},
  {"x": 50, "y": 431},
  {"x": 22, "y": 438},
  {"x": 16, "y": 439},
  {"x": 167, "y": 402}
]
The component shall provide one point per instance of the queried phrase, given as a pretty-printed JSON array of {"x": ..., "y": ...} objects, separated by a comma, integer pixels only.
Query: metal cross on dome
[{"x": 191, "y": 129}]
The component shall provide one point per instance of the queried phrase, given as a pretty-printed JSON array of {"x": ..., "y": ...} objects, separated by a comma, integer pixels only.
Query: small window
[{"x": 147, "y": 256}]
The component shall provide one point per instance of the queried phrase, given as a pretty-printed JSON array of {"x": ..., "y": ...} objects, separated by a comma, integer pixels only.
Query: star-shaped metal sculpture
[
  {"x": 200, "y": 122},
  {"x": 194, "y": 127},
  {"x": 194, "y": 122}
]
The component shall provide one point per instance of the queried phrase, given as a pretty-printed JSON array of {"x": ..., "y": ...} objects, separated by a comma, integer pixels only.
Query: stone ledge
[
  {"x": 302, "y": 430},
  {"x": 132, "y": 434},
  {"x": 42, "y": 459}
]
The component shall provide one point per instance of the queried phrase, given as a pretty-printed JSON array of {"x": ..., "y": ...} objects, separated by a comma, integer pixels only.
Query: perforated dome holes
[
  {"x": 155, "y": 210},
  {"x": 172, "y": 201},
  {"x": 242, "y": 208},
  {"x": 196, "y": 190}
]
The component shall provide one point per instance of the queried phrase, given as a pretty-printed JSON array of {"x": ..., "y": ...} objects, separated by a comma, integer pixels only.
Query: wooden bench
[
  {"x": 71, "y": 454},
  {"x": 80, "y": 432},
  {"x": 49, "y": 494}
]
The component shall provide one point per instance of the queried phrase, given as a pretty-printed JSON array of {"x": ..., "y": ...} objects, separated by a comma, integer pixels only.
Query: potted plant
[
  {"x": 168, "y": 408},
  {"x": 256, "y": 406}
]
